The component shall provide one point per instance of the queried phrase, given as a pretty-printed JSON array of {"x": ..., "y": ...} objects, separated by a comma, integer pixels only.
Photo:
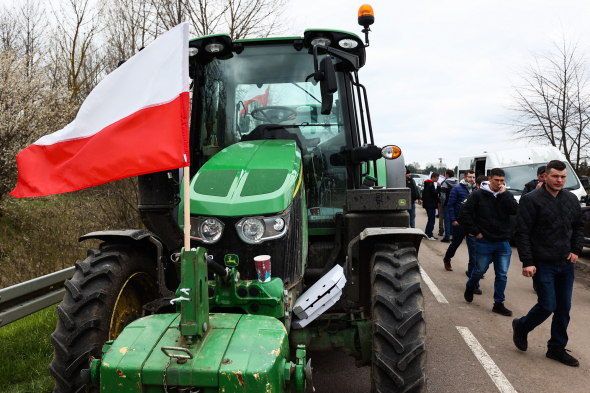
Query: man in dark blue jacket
[{"x": 456, "y": 197}]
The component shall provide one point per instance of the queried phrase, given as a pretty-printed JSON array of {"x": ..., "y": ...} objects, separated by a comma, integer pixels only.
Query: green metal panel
[
  {"x": 195, "y": 311},
  {"x": 244, "y": 157},
  {"x": 381, "y": 172},
  {"x": 253, "y": 361},
  {"x": 121, "y": 365},
  {"x": 216, "y": 182},
  {"x": 268, "y": 301},
  {"x": 322, "y": 231},
  {"x": 202, "y": 369},
  {"x": 264, "y": 181}
]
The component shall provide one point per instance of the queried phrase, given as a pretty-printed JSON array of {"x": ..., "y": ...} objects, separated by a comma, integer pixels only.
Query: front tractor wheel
[
  {"x": 105, "y": 294},
  {"x": 399, "y": 330}
]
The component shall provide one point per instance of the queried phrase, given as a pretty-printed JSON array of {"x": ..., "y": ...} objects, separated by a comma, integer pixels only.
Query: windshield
[
  {"x": 264, "y": 85},
  {"x": 273, "y": 86},
  {"x": 518, "y": 176}
]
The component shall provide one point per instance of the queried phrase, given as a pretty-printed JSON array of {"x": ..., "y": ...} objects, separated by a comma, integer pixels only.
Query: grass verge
[{"x": 26, "y": 352}]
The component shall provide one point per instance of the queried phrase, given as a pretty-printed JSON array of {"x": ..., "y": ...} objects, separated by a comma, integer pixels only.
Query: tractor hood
[{"x": 247, "y": 178}]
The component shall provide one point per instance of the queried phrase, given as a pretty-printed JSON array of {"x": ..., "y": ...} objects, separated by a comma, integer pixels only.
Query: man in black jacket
[
  {"x": 535, "y": 183},
  {"x": 430, "y": 196},
  {"x": 415, "y": 196},
  {"x": 486, "y": 215},
  {"x": 549, "y": 236}
]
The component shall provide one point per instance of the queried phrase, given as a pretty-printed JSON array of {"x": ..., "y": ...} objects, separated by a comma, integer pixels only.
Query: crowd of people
[{"x": 549, "y": 238}]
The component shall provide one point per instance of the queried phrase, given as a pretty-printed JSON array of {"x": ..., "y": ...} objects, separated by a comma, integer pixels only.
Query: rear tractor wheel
[
  {"x": 399, "y": 330},
  {"x": 105, "y": 294}
]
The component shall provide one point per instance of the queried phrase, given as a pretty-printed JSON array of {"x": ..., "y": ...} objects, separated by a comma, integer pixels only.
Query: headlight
[
  {"x": 253, "y": 230},
  {"x": 206, "y": 229},
  {"x": 348, "y": 43}
]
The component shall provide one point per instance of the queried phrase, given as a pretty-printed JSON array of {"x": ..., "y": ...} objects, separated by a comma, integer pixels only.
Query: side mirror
[
  {"x": 328, "y": 84},
  {"x": 585, "y": 182},
  {"x": 365, "y": 153}
]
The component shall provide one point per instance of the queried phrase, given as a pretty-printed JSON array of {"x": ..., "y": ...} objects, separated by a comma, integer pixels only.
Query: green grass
[{"x": 25, "y": 353}]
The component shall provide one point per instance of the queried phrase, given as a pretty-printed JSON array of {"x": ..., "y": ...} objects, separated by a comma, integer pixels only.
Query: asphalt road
[{"x": 452, "y": 363}]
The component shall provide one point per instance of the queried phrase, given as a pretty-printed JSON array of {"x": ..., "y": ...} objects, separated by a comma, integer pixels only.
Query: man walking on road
[
  {"x": 445, "y": 189},
  {"x": 430, "y": 202},
  {"x": 549, "y": 237},
  {"x": 535, "y": 183},
  {"x": 486, "y": 215},
  {"x": 454, "y": 201},
  {"x": 415, "y": 192}
]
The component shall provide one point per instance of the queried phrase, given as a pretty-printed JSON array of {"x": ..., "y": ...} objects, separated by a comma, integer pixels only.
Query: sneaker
[
  {"x": 500, "y": 309},
  {"x": 477, "y": 291},
  {"x": 445, "y": 240},
  {"x": 518, "y": 336},
  {"x": 561, "y": 355},
  {"x": 468, "y": 295},
  {"x": 433, "y": 238}
]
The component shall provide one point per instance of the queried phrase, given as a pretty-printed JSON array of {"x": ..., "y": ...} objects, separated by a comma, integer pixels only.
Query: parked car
[{"x": 419, "y": 180}]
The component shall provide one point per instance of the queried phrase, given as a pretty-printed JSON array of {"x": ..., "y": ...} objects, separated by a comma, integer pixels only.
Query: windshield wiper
[{"x": 306, "y": 92}]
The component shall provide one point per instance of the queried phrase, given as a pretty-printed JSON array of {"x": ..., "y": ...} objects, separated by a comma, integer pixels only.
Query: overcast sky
[{"x": 439, "y": 73}]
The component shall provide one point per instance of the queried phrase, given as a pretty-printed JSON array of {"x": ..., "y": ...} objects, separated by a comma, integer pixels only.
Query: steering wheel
[{"x": 273, "y": 114}]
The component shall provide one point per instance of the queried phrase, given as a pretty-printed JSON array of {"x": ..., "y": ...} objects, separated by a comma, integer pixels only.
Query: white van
[{"x": 520, "y": 166}]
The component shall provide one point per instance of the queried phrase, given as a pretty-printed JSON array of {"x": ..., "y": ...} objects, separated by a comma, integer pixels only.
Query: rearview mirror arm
[{"x": 351, "y": 59}]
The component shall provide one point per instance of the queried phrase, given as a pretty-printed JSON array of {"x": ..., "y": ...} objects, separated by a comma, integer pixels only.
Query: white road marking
[
  {"x": 486, "y": 361},
  {"x": 437, "y": 294}
]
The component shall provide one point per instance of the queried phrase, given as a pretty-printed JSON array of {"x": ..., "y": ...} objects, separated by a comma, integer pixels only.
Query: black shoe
[
  {"x": 562, "y": 356},
  {"x": 445, "y": 240},
  {"x": 477, "y": 291},
  {"x": 469, "y": 293},
  {"x": 518, "y": 336},
  {"x": 500, "y": 309}
]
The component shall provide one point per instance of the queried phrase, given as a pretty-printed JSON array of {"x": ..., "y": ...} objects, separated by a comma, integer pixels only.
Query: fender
[{"x": 143, "y": 238}]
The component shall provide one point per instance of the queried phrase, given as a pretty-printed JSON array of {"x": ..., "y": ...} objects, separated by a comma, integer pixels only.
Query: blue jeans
[
  {"x": 447, "y": 219},
  {"x": 470, "y": 240},
  {"x": 430, "y": 224},
  {"x": 458, "y": 236},
  {"x": 413, "y": 216},
  {"x": 554, "y": 296},
  {"x": 487, "y": 252}
]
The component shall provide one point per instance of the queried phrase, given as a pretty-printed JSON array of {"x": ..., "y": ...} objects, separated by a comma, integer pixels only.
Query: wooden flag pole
[{"x": 187, "y": 211}]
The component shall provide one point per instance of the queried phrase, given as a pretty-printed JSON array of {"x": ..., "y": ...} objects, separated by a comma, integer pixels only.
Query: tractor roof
[{"x": 342, "y": 40}]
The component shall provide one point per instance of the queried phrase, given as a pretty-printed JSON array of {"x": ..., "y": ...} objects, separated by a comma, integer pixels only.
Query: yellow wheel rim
[{"x": 138, "y": 290}]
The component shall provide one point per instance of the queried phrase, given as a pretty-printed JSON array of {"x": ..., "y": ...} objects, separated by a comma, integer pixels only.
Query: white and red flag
[
  {"x": 135, "y": 121},
  {"x": 255, "y": 94}
]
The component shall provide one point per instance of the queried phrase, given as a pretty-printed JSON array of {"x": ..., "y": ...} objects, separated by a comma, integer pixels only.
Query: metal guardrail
[{"x": 28, "y": 297}]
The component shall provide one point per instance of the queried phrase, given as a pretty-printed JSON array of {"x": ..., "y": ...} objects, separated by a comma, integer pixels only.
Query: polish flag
[
  {"x": 255, "y": 94},
  {"x": 134, "y": 122}
]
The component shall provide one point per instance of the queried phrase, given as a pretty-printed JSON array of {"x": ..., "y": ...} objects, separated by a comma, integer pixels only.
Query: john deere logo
[
  {"x": 231, "y": 260},
  {"x": 402, "y": 202}
]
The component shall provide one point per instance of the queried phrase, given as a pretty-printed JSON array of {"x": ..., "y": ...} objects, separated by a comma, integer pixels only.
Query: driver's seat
[{"x": 275, "y": 131}]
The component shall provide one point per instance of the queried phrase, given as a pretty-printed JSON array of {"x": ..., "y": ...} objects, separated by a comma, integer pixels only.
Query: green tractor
[{"x": 283, "y": 167}]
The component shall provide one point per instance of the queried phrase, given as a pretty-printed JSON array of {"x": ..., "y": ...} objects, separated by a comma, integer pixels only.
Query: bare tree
[
  {"x": 76, "y": 53},
  {"x": 552, "y": 104}
]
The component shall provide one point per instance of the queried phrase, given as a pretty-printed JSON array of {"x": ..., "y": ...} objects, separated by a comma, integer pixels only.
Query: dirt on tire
[
  {"x": 399, "y": 329},
  {"x": 85, "y": 313}
]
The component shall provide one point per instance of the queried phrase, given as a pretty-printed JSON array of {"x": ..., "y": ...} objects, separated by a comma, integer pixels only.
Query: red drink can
[{"x": 262, "y": 263}]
